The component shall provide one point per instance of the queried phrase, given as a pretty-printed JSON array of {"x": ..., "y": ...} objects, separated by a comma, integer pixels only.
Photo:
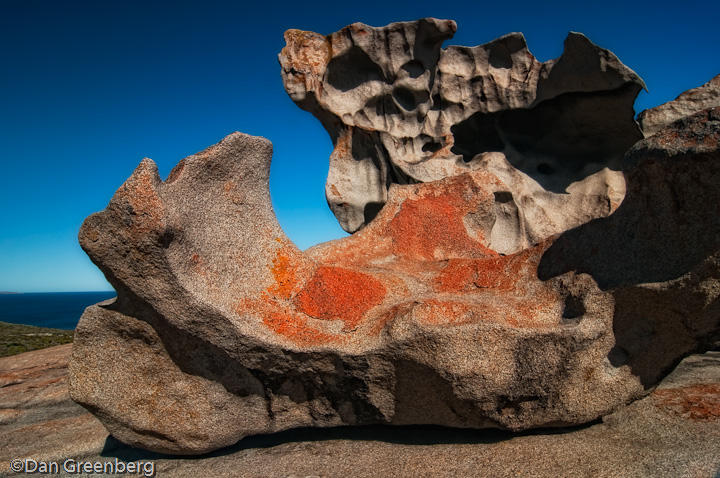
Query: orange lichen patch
[
  {"x": 496, "y": 273},
  {"x": 140, "y": 193},
  {"x": 198, "y": 265},
  {"x": 493, "y": 272},
  {"x": 541, "y": 309},
  {"x": 532, "y": 312},
  {"x": 334, "y": 293},
  {"x": 295, "y": 328},
  {"x": 458, "y": 276},
  {"x": 342, "y": 147},
  {"x": 431, "y": 227},
  {"x": 697, "y": 402},
  {"x": 307, "y": 52},
  {"x": 286, "y": 322},
  {"x": 286, "y": 270}
]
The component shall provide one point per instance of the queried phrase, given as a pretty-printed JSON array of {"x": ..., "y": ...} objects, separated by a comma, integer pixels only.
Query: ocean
[{"x": 59, "y": 310}]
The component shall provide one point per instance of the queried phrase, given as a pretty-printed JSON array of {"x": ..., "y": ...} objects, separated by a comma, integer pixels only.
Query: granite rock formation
[
  {"x": 399, "y": 110},
  {"x": 436, "y": 312},
  {"x": 698, "y": 99}
]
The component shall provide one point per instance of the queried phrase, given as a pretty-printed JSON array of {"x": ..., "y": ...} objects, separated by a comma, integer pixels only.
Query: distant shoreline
[{"x": 3, "y": 292}]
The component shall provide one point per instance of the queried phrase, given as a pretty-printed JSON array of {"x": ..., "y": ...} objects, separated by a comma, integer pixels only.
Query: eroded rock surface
[
  {"x": 222, "y": 328},
  {"x": 672, "y": 432},
  {"x": 467, "y": 301},
  {"x": 400, "y": 109},
  {"x": 690, "y": 102}
]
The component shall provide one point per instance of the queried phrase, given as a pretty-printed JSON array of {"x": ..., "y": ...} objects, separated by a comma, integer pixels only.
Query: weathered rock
[
  {"x": 399, "y": 109},
  {"x": 672, "y": 432},
  {"x": 37, "y": 418},
  {"x": 692, "y": 101},
  {"x": 222, "y": 328}
]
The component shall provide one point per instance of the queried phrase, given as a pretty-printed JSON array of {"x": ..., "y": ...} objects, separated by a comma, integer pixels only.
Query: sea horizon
[{"x": 58, "y": 310}]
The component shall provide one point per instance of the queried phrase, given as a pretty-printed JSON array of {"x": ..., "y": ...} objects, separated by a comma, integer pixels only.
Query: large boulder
[
  {"x": 222, "y": 328},
  {"x": 437, "y": 312}
]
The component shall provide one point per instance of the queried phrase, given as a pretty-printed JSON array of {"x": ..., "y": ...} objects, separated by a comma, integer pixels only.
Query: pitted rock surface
[{"x": 400, "y": 109}]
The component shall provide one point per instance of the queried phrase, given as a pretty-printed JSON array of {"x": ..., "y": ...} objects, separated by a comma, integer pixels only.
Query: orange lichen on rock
[
  {"x": 284, "y": 321},
  {"x": 335, "y": 293},
  {"x": 463, "y": 275},
  {"x": 295, "y": 327},
  {"x": 431, "y": 227},
  {"x": 531, "y": 312},
  {"x": 696, "y": 402},
  {"x": 308, "y": 53},
  {"x": 491, "y": 272},
  {"x": 286, "y": 271},
  {"x": 141, "y": 194}
]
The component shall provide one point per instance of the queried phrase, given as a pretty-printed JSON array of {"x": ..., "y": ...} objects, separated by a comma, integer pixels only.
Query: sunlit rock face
[
  {"x": 400, "y": 109},
  {"x": 441, "y": 310},
  {"x": 690, "y": 102}
]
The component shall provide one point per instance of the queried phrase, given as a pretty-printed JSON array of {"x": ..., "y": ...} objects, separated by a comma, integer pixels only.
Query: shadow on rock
[
  {"x": 420, "y": 435},
  {"x": 659, "y": 253}
]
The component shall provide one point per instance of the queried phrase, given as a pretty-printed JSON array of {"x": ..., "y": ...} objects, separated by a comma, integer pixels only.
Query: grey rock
[
  {"x": 400, "y": 109},
  {"x": 703, "y": 97}
]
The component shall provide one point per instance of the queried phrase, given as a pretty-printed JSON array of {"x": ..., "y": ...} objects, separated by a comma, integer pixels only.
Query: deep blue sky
[{"x": 88, "y": 89}]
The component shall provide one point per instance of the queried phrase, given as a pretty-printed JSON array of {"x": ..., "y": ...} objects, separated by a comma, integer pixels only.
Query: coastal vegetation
[{"x": 18, "y": 338}]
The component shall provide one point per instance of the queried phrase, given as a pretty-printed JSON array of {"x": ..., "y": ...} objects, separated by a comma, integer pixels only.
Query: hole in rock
[
  {"x": 414, "y": 68},
  {"x": 477, "y": 134},
  {"x": 432, "y": 146},
  {"x": 409, "y": 99},
  {"x": 574, "y": 308},
  {"x": 500, "y": 56},
  {"x": 371, "y": 210},
  {"x": 618, "y": 356},
  {"x": 352, "y": 69},
  {"x": 581, "y": 133},
  {"x": 503, "y": 196},
  {"x": 545, "y": 168},
  {"x": 440, "y": 103}
]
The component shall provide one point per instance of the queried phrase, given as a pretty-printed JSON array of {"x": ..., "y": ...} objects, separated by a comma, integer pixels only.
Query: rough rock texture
[
  {"x": 399, "y": 109},
  {"x": 672, "y": 432},
  {"x": 37, "y": 418},
  {"x": 698, "y": 99},
  {"x": 222, "y": 328}
]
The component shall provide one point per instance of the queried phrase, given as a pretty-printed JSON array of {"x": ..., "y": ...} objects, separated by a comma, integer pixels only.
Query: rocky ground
[{"x": 674, "y": 431}]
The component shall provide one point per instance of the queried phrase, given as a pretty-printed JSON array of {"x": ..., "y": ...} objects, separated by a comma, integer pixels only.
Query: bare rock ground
[{"x": 674, "y": 431}]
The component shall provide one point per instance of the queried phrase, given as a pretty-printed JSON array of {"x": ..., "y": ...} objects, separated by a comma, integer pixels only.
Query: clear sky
[{"x": 89, "y": 88}]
